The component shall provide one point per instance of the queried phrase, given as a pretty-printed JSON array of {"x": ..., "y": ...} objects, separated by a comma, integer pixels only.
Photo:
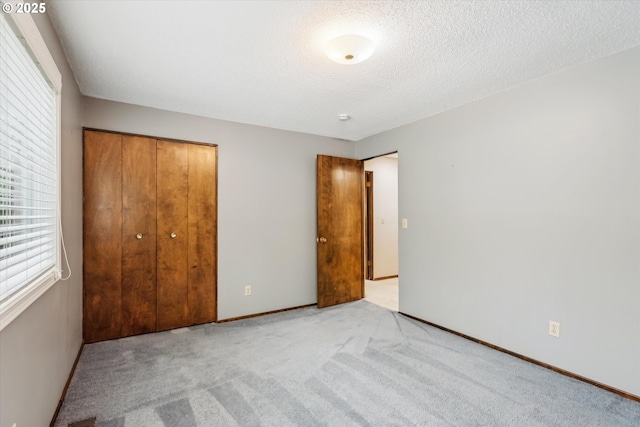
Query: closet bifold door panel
[
  {"x": 138, "y": 235},
  {"x": 102, "y": 236},
  {"x": 202, "y": 233},
  {"x": 149, "y": 233},
  {"x": 173, "y": 181}
]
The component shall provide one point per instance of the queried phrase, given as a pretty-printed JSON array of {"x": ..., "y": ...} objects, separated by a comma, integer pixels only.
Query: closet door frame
[{"x": 200, "y": 314}]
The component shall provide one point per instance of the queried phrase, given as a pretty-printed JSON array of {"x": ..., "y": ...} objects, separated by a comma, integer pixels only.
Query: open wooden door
[{"x": 340, "y": 235}]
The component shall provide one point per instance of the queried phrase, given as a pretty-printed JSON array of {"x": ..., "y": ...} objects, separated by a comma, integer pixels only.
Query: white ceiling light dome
[{"x": 350, "y": 49}]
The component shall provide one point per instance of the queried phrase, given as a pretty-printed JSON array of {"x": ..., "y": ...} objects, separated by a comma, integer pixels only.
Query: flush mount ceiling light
[
  {"x": 344, "y": 117},
  {"x": 349, "y": 49}
]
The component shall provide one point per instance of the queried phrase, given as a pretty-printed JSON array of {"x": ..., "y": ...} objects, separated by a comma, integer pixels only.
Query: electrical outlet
[
  {"x": 554, "y": 328},
  {"x": 15, "y": 425},
  {"x": 247, "y": 291}
]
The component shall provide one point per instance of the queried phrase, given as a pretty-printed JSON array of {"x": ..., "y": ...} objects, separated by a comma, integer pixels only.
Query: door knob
[
  {"x": 173, "y": 235},
  {"x": 322, "y": 240},
  {"x": 139, "y": 236}
]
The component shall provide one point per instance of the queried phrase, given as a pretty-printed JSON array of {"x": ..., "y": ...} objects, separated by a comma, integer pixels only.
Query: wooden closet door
[
  {"x": 102, "y": 232},
  {"x": 172, "y": 258},
  {"x": 202, "y": 233},
  {"x": 138, "y": 235}
]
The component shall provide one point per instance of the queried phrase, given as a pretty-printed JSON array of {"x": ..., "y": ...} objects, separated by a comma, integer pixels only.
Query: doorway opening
[{"x": 381, "y": 230}]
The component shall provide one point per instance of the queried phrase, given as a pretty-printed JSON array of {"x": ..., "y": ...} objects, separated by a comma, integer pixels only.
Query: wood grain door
[
  {"x": 172, "y": 244},
  {"x": 202, "y": 250},
  {"x": 340, "y": 235},
  {"x": 138, "y": 235},
  {"x": 150, "y": 234},
  {"x": 102, "y": 236}
]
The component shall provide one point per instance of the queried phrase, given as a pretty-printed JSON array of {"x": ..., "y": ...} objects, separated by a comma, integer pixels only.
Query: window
[{"x": 29, "y": 170}]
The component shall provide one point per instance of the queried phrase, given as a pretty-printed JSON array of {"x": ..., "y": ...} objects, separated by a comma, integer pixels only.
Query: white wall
[
  {"x": 266, "y": 201},
  {"x": 38, "y": 348},
  {"x": 524, "y": 207},
  {"x": 385, "y": 215}
]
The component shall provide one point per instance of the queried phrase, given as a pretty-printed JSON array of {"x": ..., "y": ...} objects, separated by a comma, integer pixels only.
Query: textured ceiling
[{"x": 263, "y": 62}]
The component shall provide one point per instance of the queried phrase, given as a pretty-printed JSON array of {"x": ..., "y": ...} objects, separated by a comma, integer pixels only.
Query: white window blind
[{"x": 28, "y": 166}]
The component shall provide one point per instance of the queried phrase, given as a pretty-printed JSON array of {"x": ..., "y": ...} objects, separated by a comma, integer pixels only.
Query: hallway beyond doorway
[{"x": 382, "y": 292}]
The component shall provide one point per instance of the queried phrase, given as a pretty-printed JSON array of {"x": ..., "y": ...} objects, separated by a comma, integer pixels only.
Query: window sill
[{"x": 21, "y": 300}]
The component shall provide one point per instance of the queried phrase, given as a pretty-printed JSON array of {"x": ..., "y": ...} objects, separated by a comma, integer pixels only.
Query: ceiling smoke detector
[
  {"x": 343, "y": 117},
  {"x": 349, "y": 49}
]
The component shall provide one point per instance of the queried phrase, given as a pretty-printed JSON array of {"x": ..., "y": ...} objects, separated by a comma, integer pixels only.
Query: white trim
[
  {"x": 25, "y": 24},
  {"x": 58, "y": 272},
  {"x": 13, "y": 306},
  {"x": 21, "y": 300}
]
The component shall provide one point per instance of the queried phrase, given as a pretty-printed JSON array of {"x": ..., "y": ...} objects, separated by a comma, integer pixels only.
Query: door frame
[
  {"x": 368, "y": 224},
  {"x": 363, "y": 228},
  {"x": 368, "y": 220},
  {"x": 85, "y": 236}
]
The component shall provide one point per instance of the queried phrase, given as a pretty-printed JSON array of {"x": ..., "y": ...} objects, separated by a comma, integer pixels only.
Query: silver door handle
[
  {"x": 139, "y": 236},
  {"x": 173, "y": 235}
]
